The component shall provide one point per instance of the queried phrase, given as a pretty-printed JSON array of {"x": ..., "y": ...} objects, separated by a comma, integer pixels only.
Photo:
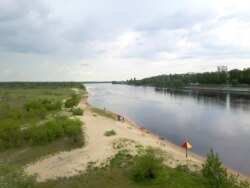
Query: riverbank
[
  {"x": 218, "y": 88},
  {"x": 100, "y": 148}
]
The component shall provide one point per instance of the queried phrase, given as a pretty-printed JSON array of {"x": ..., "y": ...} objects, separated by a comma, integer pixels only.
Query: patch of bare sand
[{"x": 99, "y": 148}]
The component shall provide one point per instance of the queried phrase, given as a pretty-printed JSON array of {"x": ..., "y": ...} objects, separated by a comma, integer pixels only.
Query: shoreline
[
  {"x": 206, "y": 88},
  {"x": 191, "y": 154},
  {"x": 226, "y": 89},
  {"x": 100, "y": 148}
]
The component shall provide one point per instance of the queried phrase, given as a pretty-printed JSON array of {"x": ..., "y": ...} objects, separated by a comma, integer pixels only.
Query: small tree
[
  {"x": 215, "y": 174},
  {"x": 75, "y": 134},
  {"x": 77, "y": 112},
  {"x": 148, "y": 165}
]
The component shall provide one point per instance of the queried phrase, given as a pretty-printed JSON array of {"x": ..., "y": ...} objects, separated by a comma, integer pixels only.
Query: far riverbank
[{"x": 218, "y": 88}]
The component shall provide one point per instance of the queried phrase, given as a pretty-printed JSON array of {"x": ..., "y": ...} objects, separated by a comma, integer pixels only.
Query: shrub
[
  {"x": 54, "y": 129},
  {"x": 44, "y": 104},
  {"x": 77, "y": 112},
  {"x": 74, "y": 132},
  {"x": 37, "y": 135},
  {"x": 51, "y": 105},
  {"x": 148, "y": 165},
  {"x": 217, "y": 176},
  {"x": 10, "y": 134},
  {"x": 213, "y": 171},
  {"x": 110, "y": 133},
  {"x": 18, "y": 179},
  {"x": 73, "y": 101},
  {"x": 69, "y": 103},
  {"x": 34, "y": 105}
]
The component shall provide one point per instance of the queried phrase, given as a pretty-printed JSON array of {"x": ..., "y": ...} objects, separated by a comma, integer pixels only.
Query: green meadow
[{"x": 34, "y": 123}]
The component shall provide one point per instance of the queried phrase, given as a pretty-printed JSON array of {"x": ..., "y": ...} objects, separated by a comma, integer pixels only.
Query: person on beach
[{"x": 118, "y": 117}]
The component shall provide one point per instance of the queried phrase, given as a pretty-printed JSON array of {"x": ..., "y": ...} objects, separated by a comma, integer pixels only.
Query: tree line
[
  {"x": 34, "y": 85},
  {"x": 234, "y": 77}
]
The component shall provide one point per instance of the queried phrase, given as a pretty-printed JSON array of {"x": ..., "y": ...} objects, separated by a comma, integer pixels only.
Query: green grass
[
  {"x": 77, "y": 112},
  {"x": 13, "y": 160},
  {"x": 104, "y": 113},
  {"x": 13, "y": 104},
  {"x": 18, "y": 157},
  {"x": 118, "y": 174},
  {"x": 110, "y": 133},
  {"x": 28, "y": 111}
]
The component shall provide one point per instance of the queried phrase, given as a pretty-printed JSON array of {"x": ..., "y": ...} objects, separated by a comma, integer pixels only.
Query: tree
[
  {"x": 148, "y": 165},
  {"x": 213, "y": 171}
]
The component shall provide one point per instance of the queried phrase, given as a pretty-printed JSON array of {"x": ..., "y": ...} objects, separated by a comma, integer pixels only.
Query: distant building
[{"x": 222, "y": 68}]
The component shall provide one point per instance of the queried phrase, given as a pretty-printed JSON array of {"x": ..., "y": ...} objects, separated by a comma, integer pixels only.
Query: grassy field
[
  {"x": 118, "y": 174},
  {"x": 104, "y": 113},
  {"x": 33, "y": 125},
  {"x": 12, "y": 102},
  {"x": 18, "y": 157}
]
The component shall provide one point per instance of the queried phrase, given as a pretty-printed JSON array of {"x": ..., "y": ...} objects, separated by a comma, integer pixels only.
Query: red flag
[{"x": 186, "y": 145}]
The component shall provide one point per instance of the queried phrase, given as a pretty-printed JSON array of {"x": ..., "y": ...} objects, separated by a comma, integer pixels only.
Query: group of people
[{"x": 120, "y": 118}]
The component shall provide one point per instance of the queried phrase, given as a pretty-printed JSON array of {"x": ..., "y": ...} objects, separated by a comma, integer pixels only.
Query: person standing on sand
[{"x": 118, "y": 117}]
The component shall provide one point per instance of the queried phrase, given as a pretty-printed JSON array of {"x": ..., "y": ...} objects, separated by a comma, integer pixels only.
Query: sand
[{"x": 99, "y": 148}]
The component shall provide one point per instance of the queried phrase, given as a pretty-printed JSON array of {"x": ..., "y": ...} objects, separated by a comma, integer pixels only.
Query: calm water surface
[{"x": 218, "y": 120}]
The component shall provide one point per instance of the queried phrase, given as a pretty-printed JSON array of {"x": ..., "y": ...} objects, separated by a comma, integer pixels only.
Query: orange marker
[{"x": 186, "y": 145}]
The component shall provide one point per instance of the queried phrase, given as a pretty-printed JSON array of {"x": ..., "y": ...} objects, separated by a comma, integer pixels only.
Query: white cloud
[
  {"x": 8, "y": 72},
  {"x": 116, "y": 40}
]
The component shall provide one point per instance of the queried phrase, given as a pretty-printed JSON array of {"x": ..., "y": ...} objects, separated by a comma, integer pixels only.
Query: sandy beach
[{"x": 99, "y": 148}]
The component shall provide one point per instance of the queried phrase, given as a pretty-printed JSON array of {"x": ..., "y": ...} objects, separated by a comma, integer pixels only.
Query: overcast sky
[{"x": 80, "y": 40}]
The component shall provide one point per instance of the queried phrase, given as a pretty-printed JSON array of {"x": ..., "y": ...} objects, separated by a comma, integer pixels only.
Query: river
[{"x": 207, "y": 120}]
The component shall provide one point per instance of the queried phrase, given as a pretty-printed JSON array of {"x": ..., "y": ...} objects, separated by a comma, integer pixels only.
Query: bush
[
  {"x": 18, "y": 180},
  {"x": 77, "y": 112},
  {"x": 148, "y": 165},
  {"x": 213, "y": 171},
  {"x": 73, "y": 101},
  {"x": 34, "y": 105},
  {"x": 37, "y": 135},
  {"x": 44, "y": 104},
  {"x": 51, "y": 105},
  {"x": 74, "y": 132},
  {"x": 110, "y": 133},
  {"x": 69, "y": 103},
  {"x": 10, "y": 134},
  {"x": 54, "y": 129},
  {"x": 217, "y": 176}
]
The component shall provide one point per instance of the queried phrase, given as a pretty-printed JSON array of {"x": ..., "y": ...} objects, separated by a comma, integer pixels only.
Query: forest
[{"x": 234, "y": 77}]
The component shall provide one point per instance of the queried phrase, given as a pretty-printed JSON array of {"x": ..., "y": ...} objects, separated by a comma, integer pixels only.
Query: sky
[{"x": 105, "y": 40}]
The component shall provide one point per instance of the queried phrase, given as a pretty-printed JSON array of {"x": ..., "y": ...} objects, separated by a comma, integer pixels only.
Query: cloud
[
  {"x": 8, "y": 72},
  {"x": 25, "y": 27},
  {"x": 85, "y": 64},
  {"x": 92, "y": 36}
]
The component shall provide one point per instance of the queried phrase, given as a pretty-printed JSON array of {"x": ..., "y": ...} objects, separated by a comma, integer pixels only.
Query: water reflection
[
  {"x": 218, "y": 120},
  {"x": 231, "y": 100}
]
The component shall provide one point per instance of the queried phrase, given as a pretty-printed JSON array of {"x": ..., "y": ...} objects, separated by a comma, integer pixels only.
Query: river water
[{"x": 207, "y": 120}]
